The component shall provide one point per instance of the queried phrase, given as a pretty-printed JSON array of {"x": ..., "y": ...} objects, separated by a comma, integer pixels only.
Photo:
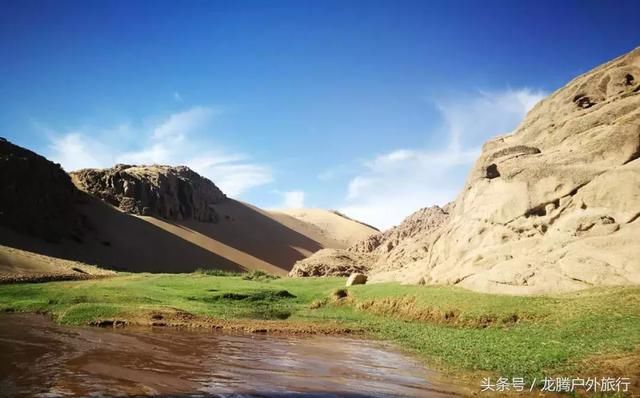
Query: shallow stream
[{"x": 41, "y": 358}]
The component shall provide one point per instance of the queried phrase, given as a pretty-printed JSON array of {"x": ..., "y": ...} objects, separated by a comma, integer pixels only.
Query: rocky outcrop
[
  {"x": 356, "y": 279},
  {"x": 36, "y": 196},
  {"x": 422, "y": 222},
  {"x": 332, "y": 262},
  {"x": 174, "y": 193},
  {"x": 390, "y": 249},
  {"x": 554, "y": 206}
]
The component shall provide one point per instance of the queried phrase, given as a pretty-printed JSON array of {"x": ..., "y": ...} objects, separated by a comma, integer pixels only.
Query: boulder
[
  {"x": 332, "y": 262},
  {"x": 356, "y": 279}
]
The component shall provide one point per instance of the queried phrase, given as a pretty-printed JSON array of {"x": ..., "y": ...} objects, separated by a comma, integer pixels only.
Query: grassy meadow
[{"x": 583, "y": 333}]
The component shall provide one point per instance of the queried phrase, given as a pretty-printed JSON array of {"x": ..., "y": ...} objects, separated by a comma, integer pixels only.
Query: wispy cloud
[
  {"x": 293, "y": 200},
  {"x": 177, "y": 125},
  {"x": 177, "y": 96},
  {"x": 396, "y": 183},
  {"x": 179, "y": 139}
]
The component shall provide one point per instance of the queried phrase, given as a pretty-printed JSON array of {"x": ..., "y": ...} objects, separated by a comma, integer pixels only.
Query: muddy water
[{"x": 39, "y": 358}]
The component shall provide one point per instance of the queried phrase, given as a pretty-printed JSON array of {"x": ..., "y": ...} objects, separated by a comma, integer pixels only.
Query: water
[{"x": 40, "y": 358}]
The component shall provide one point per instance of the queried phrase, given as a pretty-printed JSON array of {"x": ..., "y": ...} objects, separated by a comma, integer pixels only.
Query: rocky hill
[
  {"x": 553, "y": 206},
  {"x": 174, "y": 193},
  {"x": 36, "y": 196},
  {"x": 392, "y": 248},
  {"x": 144, "y": 218},
  {"x": 415, "y": 227}
]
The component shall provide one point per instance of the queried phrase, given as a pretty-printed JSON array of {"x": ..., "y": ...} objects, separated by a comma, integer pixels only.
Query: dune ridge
[{"x": 152, "y": 219}]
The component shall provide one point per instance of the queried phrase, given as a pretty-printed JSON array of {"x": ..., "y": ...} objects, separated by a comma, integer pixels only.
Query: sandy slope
[
  {"x": 245, "y": 238},
  {"x": 148, "y": 219},
  {"x": 331, "y": 225},
  {"x": 32, "y": 266}
]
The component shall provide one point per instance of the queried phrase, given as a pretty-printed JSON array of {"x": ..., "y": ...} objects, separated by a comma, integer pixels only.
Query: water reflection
[{"x": 40, "y": 358}]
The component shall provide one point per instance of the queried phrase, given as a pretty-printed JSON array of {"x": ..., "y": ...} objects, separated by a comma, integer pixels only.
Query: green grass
[
  {"x": 449, "y": 327},
  {"x": 215, "y": 272}
]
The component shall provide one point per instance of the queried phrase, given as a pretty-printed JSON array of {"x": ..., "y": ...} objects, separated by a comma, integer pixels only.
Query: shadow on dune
[
  {"x": 120, "y": 241},
  {"x": 250, "y": 230},
  {"x": 243, "y": 239}
]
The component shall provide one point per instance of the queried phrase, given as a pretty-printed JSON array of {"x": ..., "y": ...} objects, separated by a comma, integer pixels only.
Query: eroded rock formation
[
  {"x": 391, "y": 249},
  {"x": 405, "y": 242},
  {"x": 174, "y": 193},
  {"x": 554, "y": 206},
  {"x": 332, "y": 262}
]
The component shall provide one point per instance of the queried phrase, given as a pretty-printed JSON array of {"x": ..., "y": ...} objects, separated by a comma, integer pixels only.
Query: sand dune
[
  {"x": 331, "y": 225},
  {"x": 245, "y": 238},
  {"x": 148, "y": 219},
  {"x": 21, "y": 266}
]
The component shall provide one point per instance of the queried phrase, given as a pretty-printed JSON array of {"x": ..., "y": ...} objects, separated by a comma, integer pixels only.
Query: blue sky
[{"x": 375, "y": 108}]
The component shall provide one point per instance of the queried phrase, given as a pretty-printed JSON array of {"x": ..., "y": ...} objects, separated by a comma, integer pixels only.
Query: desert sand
[
  {"x": 151, "y": 219},
  {"x": 23, "y": 266},
  {"x": 331, "y": 224},
  {"x": 245, "y": 238}
]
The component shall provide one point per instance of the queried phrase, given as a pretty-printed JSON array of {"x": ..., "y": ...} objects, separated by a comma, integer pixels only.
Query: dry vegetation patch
[{"x": 408, "y": 308}]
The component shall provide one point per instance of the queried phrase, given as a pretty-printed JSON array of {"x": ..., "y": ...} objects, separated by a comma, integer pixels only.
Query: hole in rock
[
  {"x": 492, "y": 171},
  {"x": 583, "y": 101},
  {"x": 628, "y": 79}
]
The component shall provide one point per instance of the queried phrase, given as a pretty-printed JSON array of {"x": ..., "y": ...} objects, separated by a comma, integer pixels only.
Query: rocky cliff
[
  {"x": 553, "y": 206},
  {"x": 174, "y": 193},
  {"x": 405, "y": 242},
  {"x": 36, "y": 196}
]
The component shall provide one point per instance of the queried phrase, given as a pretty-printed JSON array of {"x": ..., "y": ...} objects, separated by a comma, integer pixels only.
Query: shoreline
[
  {"x": 463, "y": 334},
  {"x": 177, "y": 319},
  {"x": 462, "y": 382}
]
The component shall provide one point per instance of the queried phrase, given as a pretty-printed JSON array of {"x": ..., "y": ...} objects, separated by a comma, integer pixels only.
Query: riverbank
[
  {"x": 593, "y": 332},
  {"x": 169, "y": 362}
]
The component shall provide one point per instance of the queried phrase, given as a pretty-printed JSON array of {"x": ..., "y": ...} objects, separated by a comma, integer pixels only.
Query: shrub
[
  {"x": 258, "y": 275},
  {"x": 215, "y": 272}
]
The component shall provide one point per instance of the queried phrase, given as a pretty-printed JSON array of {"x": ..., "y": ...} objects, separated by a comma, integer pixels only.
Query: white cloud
[
  {"x": 178, "y": 140},
  {"x": 293, "y": 200},
  {"x": 74, "y": 151},
  {"x": 237, "y": 178},
  {"x": 177, "y": 125},
  {"x": 397, "y": 183}
]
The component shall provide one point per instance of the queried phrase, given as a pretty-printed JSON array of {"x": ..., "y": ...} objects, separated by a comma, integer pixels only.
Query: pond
[{"x": 41, "y": 358}]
